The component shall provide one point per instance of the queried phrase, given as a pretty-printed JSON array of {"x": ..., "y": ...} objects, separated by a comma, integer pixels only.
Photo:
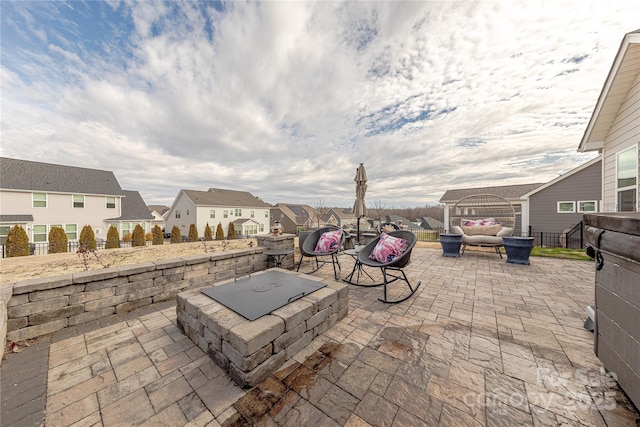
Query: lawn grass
[{"x": 575, "y": 254}]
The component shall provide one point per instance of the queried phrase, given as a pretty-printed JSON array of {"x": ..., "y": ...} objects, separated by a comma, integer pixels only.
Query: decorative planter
[
  {"x": 451, "y": 245},
  {"x": 518, "y": 249}
]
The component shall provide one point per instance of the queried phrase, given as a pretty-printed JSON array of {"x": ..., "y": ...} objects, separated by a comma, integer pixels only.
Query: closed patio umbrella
[{"x": 359, "y": 207}]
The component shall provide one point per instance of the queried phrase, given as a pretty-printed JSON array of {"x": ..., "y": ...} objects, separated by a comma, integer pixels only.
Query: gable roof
[
  {"x": 431, "y": 223},
  {"x": 222, "y": 197},
  {"x": 622, "y": 75},
  {"x": 299, "y": 214},
  {"x": 160, "y": 209},
  {"x": 563, "y": 176},
  {"x": 51, "y": 178},
  {"x": 504, "y": 191}
]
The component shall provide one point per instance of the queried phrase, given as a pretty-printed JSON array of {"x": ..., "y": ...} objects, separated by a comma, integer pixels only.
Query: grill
[{"x": 253, "y": 297}]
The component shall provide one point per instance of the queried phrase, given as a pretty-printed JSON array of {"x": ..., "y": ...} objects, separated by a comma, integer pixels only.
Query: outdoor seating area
[
  {"x": 482, "y": 220},
  {"x": 480, "y": 343}
]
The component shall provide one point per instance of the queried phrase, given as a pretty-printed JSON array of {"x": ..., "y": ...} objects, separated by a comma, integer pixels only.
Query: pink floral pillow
[
  {"x": 388, "y": 248},
  {"x": 329, "y": 241}
]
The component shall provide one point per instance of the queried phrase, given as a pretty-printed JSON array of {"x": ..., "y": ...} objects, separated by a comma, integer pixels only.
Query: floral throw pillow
[
  {"x": 388, "y": 248},
  {"x": 329, "y": 241}
]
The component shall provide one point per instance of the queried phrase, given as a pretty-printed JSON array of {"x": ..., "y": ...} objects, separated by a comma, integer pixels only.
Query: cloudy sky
[{"x": 285, "y": 99}]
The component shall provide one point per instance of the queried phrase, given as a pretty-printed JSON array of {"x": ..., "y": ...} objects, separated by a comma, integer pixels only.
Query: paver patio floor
[{"x": 481, "y": 343}]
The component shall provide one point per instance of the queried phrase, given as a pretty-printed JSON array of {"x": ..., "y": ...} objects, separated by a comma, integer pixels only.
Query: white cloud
[{"x": 284, "y": 99}]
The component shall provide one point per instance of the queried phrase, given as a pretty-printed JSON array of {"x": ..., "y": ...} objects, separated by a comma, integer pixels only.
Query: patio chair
[
  {"x": 308, "y": 249},
  {"x": 386, "y": 227},
  {"x": 395, "y": 265}
]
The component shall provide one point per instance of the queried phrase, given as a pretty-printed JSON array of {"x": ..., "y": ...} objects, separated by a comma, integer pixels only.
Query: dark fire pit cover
[{"x": 253, "y": 297}]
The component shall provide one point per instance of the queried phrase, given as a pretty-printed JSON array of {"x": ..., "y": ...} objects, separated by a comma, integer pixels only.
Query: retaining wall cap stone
[
  {"x": 127, "y": 270},
  {"x": 41, "y": 284},
  {"x": 95, "y": 275}
]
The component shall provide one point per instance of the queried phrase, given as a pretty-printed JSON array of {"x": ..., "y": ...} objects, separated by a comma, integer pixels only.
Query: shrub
[
  {"x": 175, "y": 235},
  {"x": 148, "y": 237},
  {"x": 219, "y": 232},
  {"x": 208, "y": 234},
  {"x": 58, "y": 241},
  {"x": 17, "y": 242},
  {"x": 127, "y": 237},
  {"x": 158, "y": 238},
  {"x": 232, "y": 232},
  {"x": 193, "y": 233},
  {"x": 113, "y": 238},
  {"x": 138, "y": 236},
  {"x": 87, "y": 238}
]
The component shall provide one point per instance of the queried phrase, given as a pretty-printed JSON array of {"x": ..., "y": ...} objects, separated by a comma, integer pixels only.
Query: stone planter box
[
  {"x": 518, "y": 249},
  {"x": 451, "y": 245}
]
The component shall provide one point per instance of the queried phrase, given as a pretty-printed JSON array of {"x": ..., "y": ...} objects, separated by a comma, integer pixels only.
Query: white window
[
  {"x": 261, "y": 227},
  {"x": 126, "y": 228},
  {"x": 39, "y": 200},
  {"x": 266, "y": 214},
  {"x": 225, "y": 213},
  {"x": 78, "y": 201},
  {"x": 178, "y": 213},
  {"x": 4, "y": 232},
  {"x": 627, "y": 179},
  {"x": 238, "y": 212},
  {"x": 39, "y": 233},
  {"x": 212, "y": 213},
  {"x": 72, "y": 231},
  {"x": 252, "y": 214},
  {"x": 566, "y": 207},
  {"x": 111, "y": 202},
  {"x": 588, "y": 206}
]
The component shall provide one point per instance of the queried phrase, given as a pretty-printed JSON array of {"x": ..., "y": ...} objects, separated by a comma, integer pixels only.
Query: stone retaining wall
[
  {"x": 37, "y": 307},
  {"x": 41, "y": 306}
]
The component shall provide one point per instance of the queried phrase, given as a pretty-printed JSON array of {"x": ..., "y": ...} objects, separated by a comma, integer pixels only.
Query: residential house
[
  {"x": 402, "y": 222},
  {"x": 38, "y": 196},
  {"x": 429, "y": 223},
  {"x": 558, "y": 205},
  {"x": 614, "y": 129},
  {"x": 134, "y": 212},
  {"x": 341, "y": 217},
  {"x": 159, "y": 213},
  {"x": 512, "y": 193},
  {"x": 249, "y": 213},
  {"x": 293, "y": 217}
]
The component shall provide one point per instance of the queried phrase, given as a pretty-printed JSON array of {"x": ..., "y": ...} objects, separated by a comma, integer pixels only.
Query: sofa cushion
[
  {"x": 329, "y": 242},
  {"x": 482, "y": 230},
  {"x": 481, "y": 240},
  {"x": 388, "y": 248}
]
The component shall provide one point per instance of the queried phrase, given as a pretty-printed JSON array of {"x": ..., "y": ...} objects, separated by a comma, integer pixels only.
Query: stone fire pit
[{"x": 249, "y": 351}]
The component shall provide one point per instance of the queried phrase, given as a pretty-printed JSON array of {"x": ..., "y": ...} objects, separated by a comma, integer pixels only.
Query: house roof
[
  {"x": 395, "y": 218},
  {"x": 300, "y": 214},
  {"x": 161, "y": 209},
  {"x": 50, "y": 178},
  {"x": 504, "y": 191},
  {"x": 623, "y": 73},
  {"x": 431, "y": 223},
  {"x": 563, "y": 176},
  {"x": 222, "y": 197},
  {"x": 133, "y": 208},
  {"x": 16, "y": 218}
]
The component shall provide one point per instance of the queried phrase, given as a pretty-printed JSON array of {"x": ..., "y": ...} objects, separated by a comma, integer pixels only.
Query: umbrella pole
[{"x": 358, "y": 230}]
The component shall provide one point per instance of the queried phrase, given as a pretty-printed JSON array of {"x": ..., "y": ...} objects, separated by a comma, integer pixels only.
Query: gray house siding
[{"x": 582, "y": 186}]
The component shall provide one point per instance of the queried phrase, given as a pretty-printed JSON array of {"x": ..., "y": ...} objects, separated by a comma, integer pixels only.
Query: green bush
[
  {"x": 232, "y": 232},
  {"x": 193, "y": 233},
  {"x": 87, "y": 238},
  {"x": 58, "y": 241},
  {"x": 175, "y": 235},
  {"x": 138, "y": 238},
  {"x": 219, "y": 232},
  {"x": 113, "y": 238},
  {"x": 208, "y": 234},
  {"x": 17, "y": 242},
  {"x": 158, "y": 238}
]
